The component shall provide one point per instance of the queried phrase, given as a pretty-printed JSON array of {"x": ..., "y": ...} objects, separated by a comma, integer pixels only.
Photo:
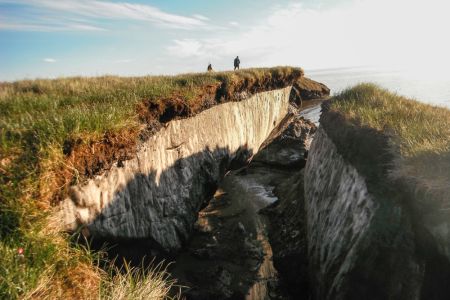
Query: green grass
[
  {"x": 421, "y": 132},
  {"x": 56, "y": 109},
  {"x": 37, "y": 117}
]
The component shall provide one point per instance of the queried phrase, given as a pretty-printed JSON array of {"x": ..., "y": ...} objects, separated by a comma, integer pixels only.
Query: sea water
[{"x": 423, "y": 84}]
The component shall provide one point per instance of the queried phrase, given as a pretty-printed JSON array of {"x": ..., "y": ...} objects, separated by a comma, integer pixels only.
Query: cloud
[
  {"x": 234, "y": 23},
  {"x": 367, "y": 32},
  {"x": 16, "y": 26},
  {"x": 49, "y": 60},
  {"x": 123, "y": 61},
  {"x": 82, "y": 27},
  {"x": 95, "y": 11},
  {"x": 201, "y": 17},
  {"x": 187, "y": 48}
]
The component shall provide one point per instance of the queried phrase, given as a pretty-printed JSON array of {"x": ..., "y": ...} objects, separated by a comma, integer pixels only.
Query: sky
[{"x": 58, "y": 38}]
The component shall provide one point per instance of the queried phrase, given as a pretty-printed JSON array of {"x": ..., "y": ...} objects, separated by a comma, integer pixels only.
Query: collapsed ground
[{"x": 56, "y": 133}]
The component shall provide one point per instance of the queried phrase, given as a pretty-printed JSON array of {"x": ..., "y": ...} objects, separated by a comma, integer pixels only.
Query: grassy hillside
[
  {"x": 55, "y": 133},
  {"x": 418, "y": 135}
]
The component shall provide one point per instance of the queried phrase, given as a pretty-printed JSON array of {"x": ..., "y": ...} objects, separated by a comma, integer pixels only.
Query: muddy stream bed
[{"x": 229, "y": 254}]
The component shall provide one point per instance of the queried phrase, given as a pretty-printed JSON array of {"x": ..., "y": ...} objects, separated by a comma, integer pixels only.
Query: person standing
[{"x": 236, "y": 63}]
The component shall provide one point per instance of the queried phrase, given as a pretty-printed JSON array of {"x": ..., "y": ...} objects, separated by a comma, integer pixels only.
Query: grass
[
  {"x": 54, "y": 133},
  {"x": 139, "y": 284},
  {"x": 55, "y": 110},
  {"x": 420, "y": 132}
]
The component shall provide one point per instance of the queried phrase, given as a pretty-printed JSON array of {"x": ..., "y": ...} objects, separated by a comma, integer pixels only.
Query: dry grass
[
  {"x": 421, "y": 132},
  {"x": 139, "y": 284},
  {"x": 49, "y": 267}
]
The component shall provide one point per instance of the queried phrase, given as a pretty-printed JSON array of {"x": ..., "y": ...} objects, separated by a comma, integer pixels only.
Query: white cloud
[
  {"x": 49, "y": 60},
  {"x": 17, "y": 26},
  {"x": 234, "y": 23},
  {"x": 368, "y": 32},
  {"x": 95, "y": 10},
  {"x": 187, "y": 47},
  {"x": 201, "y": 17},
  {"x": 82, "y": 27},
  {"x": 123, "y": 61}
]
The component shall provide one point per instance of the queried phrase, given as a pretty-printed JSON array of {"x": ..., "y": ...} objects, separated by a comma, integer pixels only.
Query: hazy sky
[{"x": 51, "y": 38}]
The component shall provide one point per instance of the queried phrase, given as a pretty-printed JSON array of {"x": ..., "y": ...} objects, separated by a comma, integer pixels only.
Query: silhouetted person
[
  {"x": 210, "y": 68},
  {"x": 236, "y": 63}
]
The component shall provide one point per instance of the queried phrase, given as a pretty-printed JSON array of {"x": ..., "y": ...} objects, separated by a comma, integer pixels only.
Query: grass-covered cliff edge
[
  {"x": 402, "y": 138},
  {"x": 56, "y": 133},
  {"x": 400, "y": 148}
]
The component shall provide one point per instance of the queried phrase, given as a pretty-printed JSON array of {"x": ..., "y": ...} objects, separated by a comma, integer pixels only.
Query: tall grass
[
  {"x": 139, "y": 284},
  {"x": 36, "y": 118}
]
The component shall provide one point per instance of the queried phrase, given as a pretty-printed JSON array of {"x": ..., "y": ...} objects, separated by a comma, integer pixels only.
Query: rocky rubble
[
  {"x": 232, "y": 254},
  {"x": 287, "y": 229},
  {"x": 288, "y": 143}
]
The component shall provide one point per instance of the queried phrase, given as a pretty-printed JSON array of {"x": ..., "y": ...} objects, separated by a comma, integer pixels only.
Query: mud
[
  {"x": 229, "y": 255},
  {"x": 249, "y": 242}
]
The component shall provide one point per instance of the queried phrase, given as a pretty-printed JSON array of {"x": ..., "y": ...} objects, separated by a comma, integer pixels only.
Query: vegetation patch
[
  {"x": 402, "y": 148},
  {"x": 394, "y": 138},
  {"x": 310, "y": 89},
  {"x": 56, "y": 133}
]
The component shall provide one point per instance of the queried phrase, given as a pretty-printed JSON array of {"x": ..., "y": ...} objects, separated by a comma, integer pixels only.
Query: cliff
[
  {"x": 376, "y": 216},
  {"x": 119, "y": 158},
  {"x": 157, "y": 195}
]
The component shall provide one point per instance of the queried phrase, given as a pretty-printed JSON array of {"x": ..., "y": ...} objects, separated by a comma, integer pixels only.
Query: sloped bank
[{"x": 377, "y": 220}]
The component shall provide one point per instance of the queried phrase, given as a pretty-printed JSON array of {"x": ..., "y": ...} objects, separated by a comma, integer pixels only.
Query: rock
[
  {"x": 243, "y": 250},
  {"x": 364, "y": 242},
  {"x": 295, "y": 97},
  {"x": 241, "y": 228},
  {"x": 306, "y": 89},
  {"x": 288, "y": 143},
  {"x": 287, "y": 234},
  {"x": 223, "y": 284}
]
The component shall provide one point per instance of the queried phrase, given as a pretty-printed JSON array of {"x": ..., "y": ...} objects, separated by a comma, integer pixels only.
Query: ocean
[{"x": 427, "y": 86}]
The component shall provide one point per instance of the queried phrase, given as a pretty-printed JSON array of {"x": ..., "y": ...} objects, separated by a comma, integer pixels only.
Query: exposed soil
[
  {"x": 89, "y": 158},
  {"x": 374, "y": 156},
  {"x": 229, "y": 255},
  {"x": 310, "y": 89},
  {"x": 250, "y": 241},
  {"x": 287, "y": 235}
]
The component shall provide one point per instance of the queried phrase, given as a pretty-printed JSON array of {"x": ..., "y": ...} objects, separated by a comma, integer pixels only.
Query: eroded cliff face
[
  {"x": 339, "y": 211},
  {"x": 359, "y": 245},
  {"x": 156, "y": 195},
  {"x": 288, "y": 144},
  {"x": 366, "y": 238}
]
